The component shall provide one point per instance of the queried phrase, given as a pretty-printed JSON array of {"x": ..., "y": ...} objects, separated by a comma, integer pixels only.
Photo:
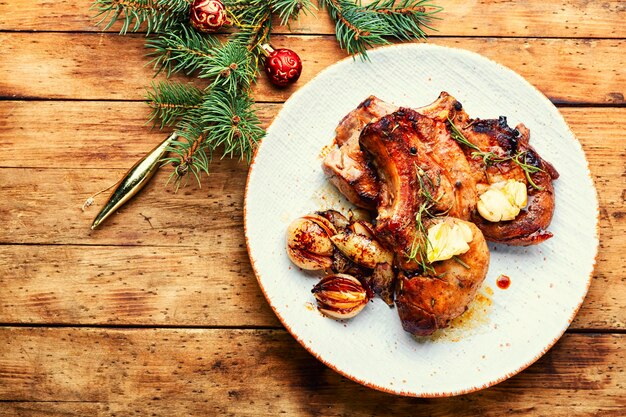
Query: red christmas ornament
[
  {"x": 208, "y": 15},
  {"x": 282, "y": 66}
]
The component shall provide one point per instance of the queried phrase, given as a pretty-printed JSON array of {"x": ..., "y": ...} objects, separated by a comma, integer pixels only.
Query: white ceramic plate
[{"x": 506, "y": 330}]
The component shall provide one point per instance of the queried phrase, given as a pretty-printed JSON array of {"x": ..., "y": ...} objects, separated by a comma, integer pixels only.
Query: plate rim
[{"x": 371, "y": 384}]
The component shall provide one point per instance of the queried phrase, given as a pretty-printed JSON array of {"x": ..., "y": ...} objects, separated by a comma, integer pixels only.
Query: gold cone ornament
[{"x": 134, "y": 180}]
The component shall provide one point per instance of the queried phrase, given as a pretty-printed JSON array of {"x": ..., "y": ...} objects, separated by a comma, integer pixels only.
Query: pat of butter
[
  {"x": 502, "y": 201},
  {"x": 446, "y": 241}
]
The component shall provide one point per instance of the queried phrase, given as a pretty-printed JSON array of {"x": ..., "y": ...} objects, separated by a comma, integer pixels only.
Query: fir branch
[
  {"x": 188, "y": 157},
  {"x": 360, "y": 27},
  {"x": 181, "y": 49},
  {"x": 248, "y": 12},
  {"x": 157, "y": 15},
  {"x": 170, "y": 101},
  {"x": 229, "y": 66},
  {"x": 225, "y": 120},
  {"x": 234, "y": 125},
  {"x": 356, "y": 30},
  {"x": 290, "y": 9},
  {"x": 407, "y": 17},
  {"x": 255, "y": 25}
]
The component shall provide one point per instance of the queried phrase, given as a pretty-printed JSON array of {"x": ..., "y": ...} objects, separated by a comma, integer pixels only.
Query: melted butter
[
  {"x": 447, "y": 241},
  {"x": 502, "y": 201}
]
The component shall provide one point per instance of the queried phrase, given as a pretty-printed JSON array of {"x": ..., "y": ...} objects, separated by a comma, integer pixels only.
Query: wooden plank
[
  {"x": 107, "y": 66},
  {"x": 43, "y": 206},
  {"x": 67, "y": 134},
  {"x": 540, "y": 18},
  {"x": 266, "y": 373},
  {"x": 65, "y": 284},
  {"x": 69, "y": 284}
]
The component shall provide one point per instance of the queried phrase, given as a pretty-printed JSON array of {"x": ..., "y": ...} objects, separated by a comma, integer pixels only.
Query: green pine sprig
[
  {"x": 359, "y": 27},
  {"x": 181, "y": 49},
  {"x": 169, "y": 101},
  {"x": 289, "y": 10},
  {"x": 229, "y": 65},
  {"x": 157, "y": 15},
  {"x": 220, "y": 117}
]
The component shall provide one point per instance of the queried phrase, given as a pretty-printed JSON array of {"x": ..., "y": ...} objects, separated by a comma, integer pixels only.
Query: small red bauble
[
  {"x": 282, "y": 66},
  {"x": 208, "y": 15}
]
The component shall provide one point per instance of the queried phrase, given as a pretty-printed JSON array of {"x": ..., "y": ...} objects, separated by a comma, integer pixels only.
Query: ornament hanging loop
[{"x": 267, "y": 49}]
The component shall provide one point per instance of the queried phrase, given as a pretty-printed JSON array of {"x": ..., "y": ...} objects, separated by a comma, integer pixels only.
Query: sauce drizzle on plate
[{"x": 503, "y": 282}]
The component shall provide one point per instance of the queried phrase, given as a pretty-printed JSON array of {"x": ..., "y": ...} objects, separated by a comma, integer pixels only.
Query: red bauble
[
  {"x": 208, "y": 15},
  {"x": 282, "y": 66}
]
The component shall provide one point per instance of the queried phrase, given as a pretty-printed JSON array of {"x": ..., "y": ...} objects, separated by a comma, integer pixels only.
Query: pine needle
[
  {"x": 219, "y": 117},
  {"x": 359, "y": 28}
]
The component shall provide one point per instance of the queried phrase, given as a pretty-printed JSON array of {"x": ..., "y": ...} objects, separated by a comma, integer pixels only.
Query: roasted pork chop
[
  {"x": 509, "y": 145},
  {"x": 420, "y": 166},
  {"x": 346, "y": 166},
  {"x": 429, "y": 301},
  {"x": 396, "y": 143},
  {"x": 418, "y": 163},
  {"x": 353, "y": 174}
]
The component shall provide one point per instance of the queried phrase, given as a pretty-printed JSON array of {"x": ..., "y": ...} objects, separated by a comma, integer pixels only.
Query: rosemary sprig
[
  {"x": 421, "y": 243},
  {"x": 491, "y": 158},
  {"x": 460, "y": 262},
  {"x": 528, "y": 169}
]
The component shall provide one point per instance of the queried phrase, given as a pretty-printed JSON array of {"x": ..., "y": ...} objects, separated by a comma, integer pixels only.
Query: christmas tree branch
[
  {"x": 255, "y": 24},
  {"x": 361, "y": 27},
  {"x": 289, "y": 10},
  {"x": 158, "y": 15},
  {"x": 406, "y": 18},
  {"x": 187, "y": 157},
  {"x": 170, "y": 101},
  {"x": 181, "y": 50},
  {"x": 224, "y": 121},
  {"x": 221, "y": 117},
  {"x": 229, "y": 67}
]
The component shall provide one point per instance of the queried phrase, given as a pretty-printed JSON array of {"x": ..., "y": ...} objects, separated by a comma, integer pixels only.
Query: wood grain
[
  {"x": 109, "y": 135},
  {"x": 579, "y": 18},
  {"x": 130, "y": 286},
  {"x": 97, "y": 285},
  {"x": 80, "y": 157},
  {"x": 169, "y": 260},
  {"x": 107, "y": 66},
  {"x": 266, "y": 373},
  {"x": 43, "y": 206},
  {"x": 91, "y": 134}
]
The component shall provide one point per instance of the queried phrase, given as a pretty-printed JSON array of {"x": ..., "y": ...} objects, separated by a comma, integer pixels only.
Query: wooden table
[{"x": 159, "y": 313}]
